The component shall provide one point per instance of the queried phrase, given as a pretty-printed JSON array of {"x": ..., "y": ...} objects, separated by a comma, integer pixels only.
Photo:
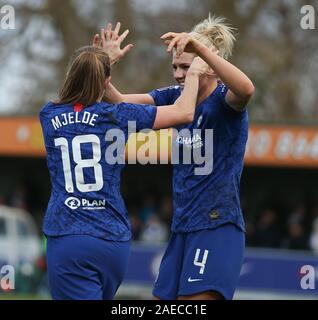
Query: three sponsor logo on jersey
[
  {"x": 195, "y": 140},
  {"x": 192, "y": 142}
]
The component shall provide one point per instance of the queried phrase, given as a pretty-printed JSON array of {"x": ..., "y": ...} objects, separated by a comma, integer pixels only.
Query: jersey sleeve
[
  {"x": 165, "y": 96},
  {"x": 221, "y": 92},
  {"x": 144, "y": 115}
]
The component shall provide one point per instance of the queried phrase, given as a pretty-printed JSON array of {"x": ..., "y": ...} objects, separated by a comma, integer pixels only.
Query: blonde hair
[
  {"x": 217, "y": 32},
  {"x": 85, "y": 78}
]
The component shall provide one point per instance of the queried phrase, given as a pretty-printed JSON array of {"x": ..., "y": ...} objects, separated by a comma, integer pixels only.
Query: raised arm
[
  {"x": 182, "y": 111},
  {"x": 240, "y": 86},
  {"x": 112, "y": 95},
  {"x": 110, "y": 41}
]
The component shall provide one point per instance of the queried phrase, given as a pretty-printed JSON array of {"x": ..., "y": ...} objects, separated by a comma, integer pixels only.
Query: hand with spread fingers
[
  {"x": 183, "y": 42},
  {"x": 110, "y": 42}
]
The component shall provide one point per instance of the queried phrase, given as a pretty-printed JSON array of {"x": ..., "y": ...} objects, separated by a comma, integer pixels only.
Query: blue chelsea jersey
[
  {"x": 207, "y": 200},
  {"x": 85, "y": 197}
]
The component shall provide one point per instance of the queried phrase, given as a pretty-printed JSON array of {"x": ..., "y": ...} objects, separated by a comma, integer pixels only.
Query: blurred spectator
[
  {"x": 298, "y": 215},
  {"x": 155, "y": 231},
  {"x": 166, "y": 210},
  {"x": 296, "y": 230},
  {"x": 267, "y": 232},
  {"x": 296, "y": 238}
]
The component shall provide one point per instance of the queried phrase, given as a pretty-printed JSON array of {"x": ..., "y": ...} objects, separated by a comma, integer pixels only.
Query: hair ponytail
[{"x": 84, "y": 82}]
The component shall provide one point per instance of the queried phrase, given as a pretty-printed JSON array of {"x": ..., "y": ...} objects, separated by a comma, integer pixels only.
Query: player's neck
[{"x": 205, "y": 90}]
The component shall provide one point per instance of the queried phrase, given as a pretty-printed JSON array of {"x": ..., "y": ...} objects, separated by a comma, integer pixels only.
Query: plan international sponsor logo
[{"x": 85, "y": 204}]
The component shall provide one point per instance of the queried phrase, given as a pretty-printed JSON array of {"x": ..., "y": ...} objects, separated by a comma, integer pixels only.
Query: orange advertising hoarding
[
  {"x": 286, "y": 146},
  {"x": 21, "y": 137}
]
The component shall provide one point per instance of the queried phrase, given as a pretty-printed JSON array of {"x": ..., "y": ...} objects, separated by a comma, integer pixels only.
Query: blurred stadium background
[{"x": 279, "y": 190}]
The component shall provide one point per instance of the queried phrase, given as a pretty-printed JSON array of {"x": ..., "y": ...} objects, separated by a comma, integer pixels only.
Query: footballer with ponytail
[
  {"x": 86, "y": 222},
  {"x": 216, "y": 32},
  {"x": 205, "y": 253}
]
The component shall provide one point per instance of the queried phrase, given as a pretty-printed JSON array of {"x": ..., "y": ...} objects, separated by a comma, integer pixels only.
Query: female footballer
[
  {"x": 205, "y": 252},
  {"x": 86, "y": 223}
]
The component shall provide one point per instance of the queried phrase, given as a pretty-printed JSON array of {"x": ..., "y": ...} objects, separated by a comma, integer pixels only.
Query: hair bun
[{"x": 215, "y": 31}]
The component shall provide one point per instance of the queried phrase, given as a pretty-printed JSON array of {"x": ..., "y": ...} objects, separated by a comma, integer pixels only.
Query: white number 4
[{"x": 201, "y": 263}]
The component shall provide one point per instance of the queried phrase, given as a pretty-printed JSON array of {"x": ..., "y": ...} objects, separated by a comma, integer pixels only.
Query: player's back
[{"x": 85, "y": 179}]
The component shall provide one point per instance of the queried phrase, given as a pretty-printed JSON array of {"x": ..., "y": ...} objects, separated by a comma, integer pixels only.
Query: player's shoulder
[
  {"x": 126, "y": 110},
  {"x": 170, "y": 91},
  {"x": 101, "y": 110},
  {"x": 165, "y": 95},
  {"x": 221, "y": 90},
  {"x": 102, "y": 107},
  {"x": 170, "y": 88},
  {"x": 48, "y": 111},
  {"x": 219, "y": 94},
  {"x": 52, "y": 108},
  {"x": 47, "y": 108},
  {"x": 115, "y": 109},
  {"x": 109, "y": 112}
]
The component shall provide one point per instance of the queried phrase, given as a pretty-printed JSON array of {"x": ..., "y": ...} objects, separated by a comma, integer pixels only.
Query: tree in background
[{"x": 280, "y": 57}]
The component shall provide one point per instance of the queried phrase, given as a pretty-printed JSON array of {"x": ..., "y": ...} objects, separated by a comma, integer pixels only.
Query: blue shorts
[
  {"x": 201, "y": 261},
  {"x": 82, "y": 267}
]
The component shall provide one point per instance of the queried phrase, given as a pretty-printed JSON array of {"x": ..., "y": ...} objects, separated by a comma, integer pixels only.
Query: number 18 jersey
[{"x": 85, "y": 173}]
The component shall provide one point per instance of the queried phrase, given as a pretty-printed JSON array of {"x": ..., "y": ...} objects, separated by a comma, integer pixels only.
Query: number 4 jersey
[{"x": 85, "y": 155}]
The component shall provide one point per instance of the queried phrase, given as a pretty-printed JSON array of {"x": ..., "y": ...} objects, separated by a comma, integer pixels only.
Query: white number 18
[{"x": 81, "y": 163}]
